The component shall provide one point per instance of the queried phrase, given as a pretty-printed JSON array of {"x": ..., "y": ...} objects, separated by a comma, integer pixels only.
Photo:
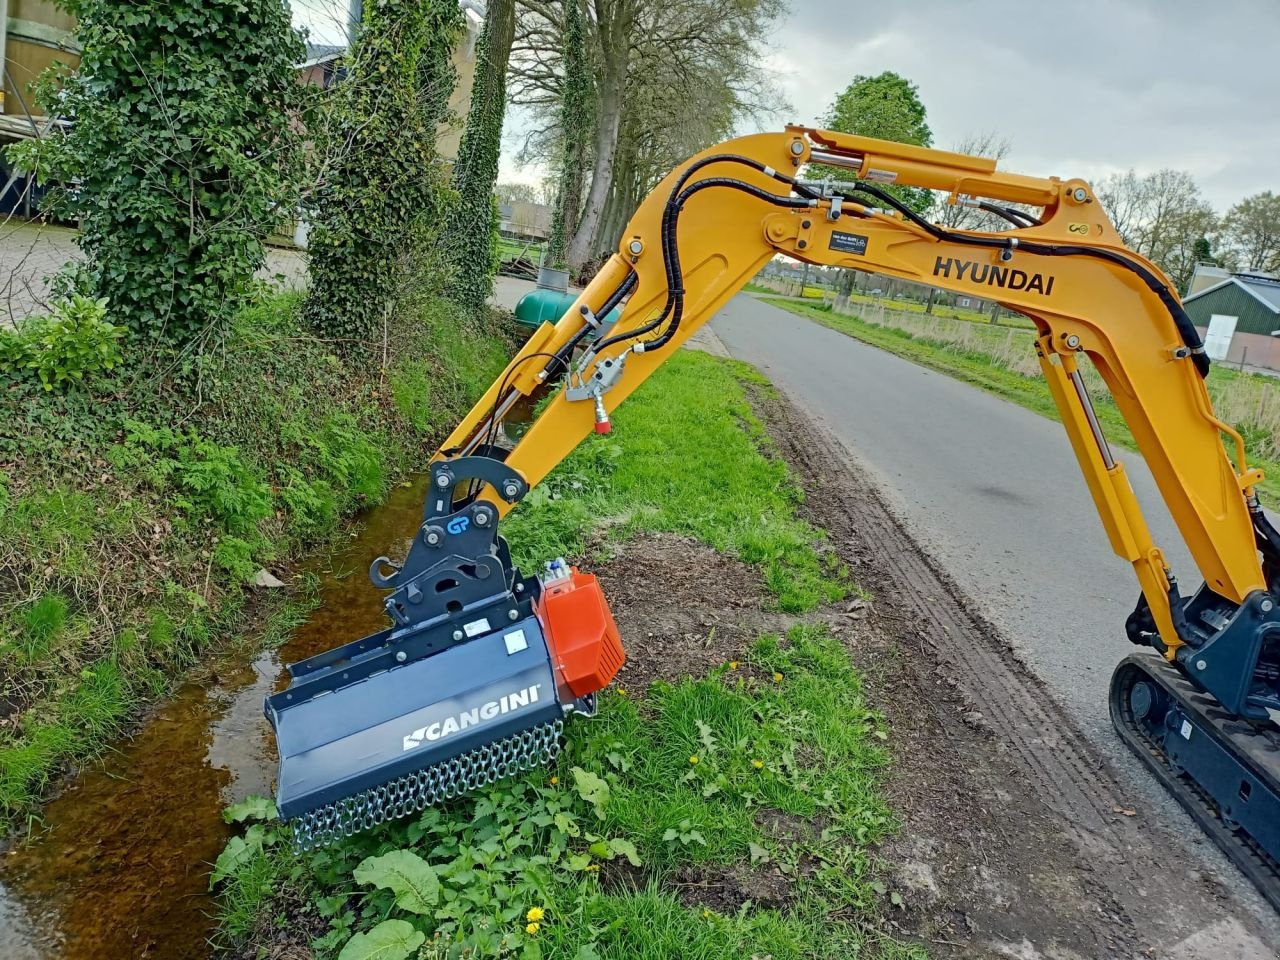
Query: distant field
[
  {"x": 907, "y": 306},
  {"x": 511, "y": 249}
]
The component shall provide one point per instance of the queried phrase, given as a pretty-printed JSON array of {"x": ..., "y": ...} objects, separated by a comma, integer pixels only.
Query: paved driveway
[{"x": 30, "y": 253}]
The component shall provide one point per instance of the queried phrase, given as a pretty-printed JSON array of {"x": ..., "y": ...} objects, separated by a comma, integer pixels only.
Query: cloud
[{"x": 1082, "y": 88}]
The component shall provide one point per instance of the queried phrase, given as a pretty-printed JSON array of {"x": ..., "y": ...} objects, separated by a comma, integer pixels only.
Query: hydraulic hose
[
  {"x": 1186, "y": 329},
  {"x": 671, "y": 212}
]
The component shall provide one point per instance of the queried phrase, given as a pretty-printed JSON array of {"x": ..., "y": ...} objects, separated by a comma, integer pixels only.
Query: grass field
[
  {"x": 585, "y": 862},
  {"x": 905, "y": 306},
  {"x": 1001, "y": 360},
  {"x": 510, "y": 249}
]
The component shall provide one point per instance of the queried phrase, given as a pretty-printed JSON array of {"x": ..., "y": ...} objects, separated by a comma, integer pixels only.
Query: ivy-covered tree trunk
[
  {"x": 473, "y": 250},
  {"x": 181, "y": 152},
  {"x": 576, "y": 125},
  {"x": 381, "y": 196}
]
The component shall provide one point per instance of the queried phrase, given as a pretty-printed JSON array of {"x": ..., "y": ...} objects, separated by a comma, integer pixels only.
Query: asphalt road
[{"x": 994, "y": 493}]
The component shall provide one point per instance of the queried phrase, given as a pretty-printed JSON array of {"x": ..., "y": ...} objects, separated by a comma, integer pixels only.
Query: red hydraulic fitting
[{"x": 602, "y": 416}]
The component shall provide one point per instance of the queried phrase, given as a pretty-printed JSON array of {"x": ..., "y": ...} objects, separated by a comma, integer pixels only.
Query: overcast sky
[{"x": 1080, "y": 87}]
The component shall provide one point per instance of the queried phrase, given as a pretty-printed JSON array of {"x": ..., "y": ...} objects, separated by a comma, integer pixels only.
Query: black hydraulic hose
[
  {"x": 1186, "y": 329},
  {"x": 1016, "y": 217},
  {"x": 667, "y": 235},
  {"x": 675, "y": 277},
  {"x": 623, "y": 290},
  {"x": 1265, "y": 531},
  {"x": 561, "y": 357}
]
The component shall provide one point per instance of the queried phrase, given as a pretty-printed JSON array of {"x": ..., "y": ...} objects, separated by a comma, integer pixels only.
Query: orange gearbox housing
[{"x": 586, "y": 648}]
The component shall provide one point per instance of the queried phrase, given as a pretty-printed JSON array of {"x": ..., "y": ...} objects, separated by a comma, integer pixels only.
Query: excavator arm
[
  {"x": 729, "y": 210},
  {"x": 481, "y": 664}
]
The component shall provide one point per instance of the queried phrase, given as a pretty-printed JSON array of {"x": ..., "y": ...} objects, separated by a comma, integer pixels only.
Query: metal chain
[{"x": 416, "y": 791}]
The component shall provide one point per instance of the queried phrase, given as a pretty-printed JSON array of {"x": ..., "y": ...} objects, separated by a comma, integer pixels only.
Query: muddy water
[{"x": 120, "y": 869}]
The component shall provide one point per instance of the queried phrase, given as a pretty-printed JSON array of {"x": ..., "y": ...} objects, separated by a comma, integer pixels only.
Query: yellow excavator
[{"x": 481, "y": 665}]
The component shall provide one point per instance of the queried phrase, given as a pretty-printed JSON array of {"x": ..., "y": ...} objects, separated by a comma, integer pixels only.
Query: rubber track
[
  {"x": 1071, "y": 778},
  {"x": 1260, "y": 752}
]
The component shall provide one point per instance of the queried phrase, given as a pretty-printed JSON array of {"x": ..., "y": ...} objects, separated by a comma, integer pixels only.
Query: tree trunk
[
  {"x": 609, "y": 121},
  {"x": 470, "y": 224},
  {"x": 615, "y": 20},
  {"x": 624, "y": 197}
]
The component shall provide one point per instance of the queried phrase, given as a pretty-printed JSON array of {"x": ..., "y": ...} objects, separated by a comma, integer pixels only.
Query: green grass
[
  {"x": 682, "y": 779},
  {"x": 671, "y": 466},
  {"x": 984, "y": 367},
  {"x": 1005, "y": 319},
  {"x": 510, "y": 249},
  {"x": 627, "y": 789},
  {"x": 134, "y": 509}
]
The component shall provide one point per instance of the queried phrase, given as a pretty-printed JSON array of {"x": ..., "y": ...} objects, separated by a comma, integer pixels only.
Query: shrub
[
  {"x": 180, "y": 154},
  {"x": 75, "y": 340},
  {"x": 383, "y": 193}
]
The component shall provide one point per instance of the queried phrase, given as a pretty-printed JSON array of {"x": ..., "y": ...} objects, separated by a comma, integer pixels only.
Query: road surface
[
  {"x": 994, "y": 493},
  {"x": 31, "y": 253}
]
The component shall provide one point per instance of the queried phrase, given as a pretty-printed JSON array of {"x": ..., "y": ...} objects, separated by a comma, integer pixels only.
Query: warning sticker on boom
[{"x": 848, "y": 242}]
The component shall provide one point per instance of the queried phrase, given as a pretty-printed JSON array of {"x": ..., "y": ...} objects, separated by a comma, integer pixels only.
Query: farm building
[{"x": 1237, "y": 317}]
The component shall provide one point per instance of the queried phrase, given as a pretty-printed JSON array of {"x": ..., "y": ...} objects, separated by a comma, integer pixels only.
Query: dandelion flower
[
  {"x": 535, "y": 914},
  {"x": 733, "y": 664},
  {"x": 694, "y": 760},
  {"x": 777, "y": 678},
  {"x": 758, "y": 764},
  {"x": 553, "y": 781},
  {"x": 532, "y": 928},
  {"x": 593, "y": 867}
]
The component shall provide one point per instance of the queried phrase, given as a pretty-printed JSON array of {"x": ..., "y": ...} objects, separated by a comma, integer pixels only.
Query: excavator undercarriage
[{"x": 473, "y": 679}]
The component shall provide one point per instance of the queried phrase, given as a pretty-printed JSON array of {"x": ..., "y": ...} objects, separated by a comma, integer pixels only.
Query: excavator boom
[{"x": 711, "y": 225}]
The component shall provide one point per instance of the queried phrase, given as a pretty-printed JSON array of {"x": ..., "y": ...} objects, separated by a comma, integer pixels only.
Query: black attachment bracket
[{"x": 457, "y": 561}]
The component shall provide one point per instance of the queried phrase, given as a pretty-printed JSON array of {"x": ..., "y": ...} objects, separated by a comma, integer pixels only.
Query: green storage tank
[{"x": 543, "y": 305}]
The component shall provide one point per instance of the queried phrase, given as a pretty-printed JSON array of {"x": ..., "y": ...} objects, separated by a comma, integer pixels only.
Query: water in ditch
[{"x": 120, "y": 866}]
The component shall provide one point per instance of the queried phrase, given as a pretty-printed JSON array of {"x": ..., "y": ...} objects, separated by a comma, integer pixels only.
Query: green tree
[
  {"x": 577, "y": 123},
  {"x": 473, "y": 251},
  {"x": 887, "y": 107},
  {"x": 1252, "y": 230},
  {"x": 380, "y": 196},
  {"x": 181, "y": 152}
]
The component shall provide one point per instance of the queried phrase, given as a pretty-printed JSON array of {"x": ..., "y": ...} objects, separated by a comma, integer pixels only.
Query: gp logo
[{"x": 458, "y": 525}]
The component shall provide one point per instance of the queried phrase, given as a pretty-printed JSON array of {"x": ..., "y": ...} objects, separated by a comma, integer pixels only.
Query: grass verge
[
  {"x": 684, "y": 458},
  {"x": 1001, "y": 362},
  {"x": 763, "y": 775},
  {"x": 136, "y": 509}
]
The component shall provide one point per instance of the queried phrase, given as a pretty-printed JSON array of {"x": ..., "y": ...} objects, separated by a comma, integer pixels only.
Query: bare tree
[
  {"x": 960, "y": 216},
  {"x": 516, "y": 192},
  {"x": 1161, "y": 216},
  {"x": 1251, "y": 230},
  {"x": 664, "y": 78}
]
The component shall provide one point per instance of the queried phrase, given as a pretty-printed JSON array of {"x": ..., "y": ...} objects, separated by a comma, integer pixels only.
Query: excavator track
[{"x": 1229, "y": 781}]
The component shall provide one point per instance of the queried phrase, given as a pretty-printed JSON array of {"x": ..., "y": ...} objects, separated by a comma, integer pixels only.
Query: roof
[
  {"x": 318, "y": 53},
  {"x": 1265, "y": 290}
]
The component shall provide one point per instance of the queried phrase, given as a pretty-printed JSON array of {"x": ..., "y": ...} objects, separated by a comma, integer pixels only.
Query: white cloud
[{"x": 1081, "y": 87}]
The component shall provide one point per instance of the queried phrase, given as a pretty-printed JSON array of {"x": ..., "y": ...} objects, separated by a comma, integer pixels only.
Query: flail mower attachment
[{"x": 470, "y": 684}]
